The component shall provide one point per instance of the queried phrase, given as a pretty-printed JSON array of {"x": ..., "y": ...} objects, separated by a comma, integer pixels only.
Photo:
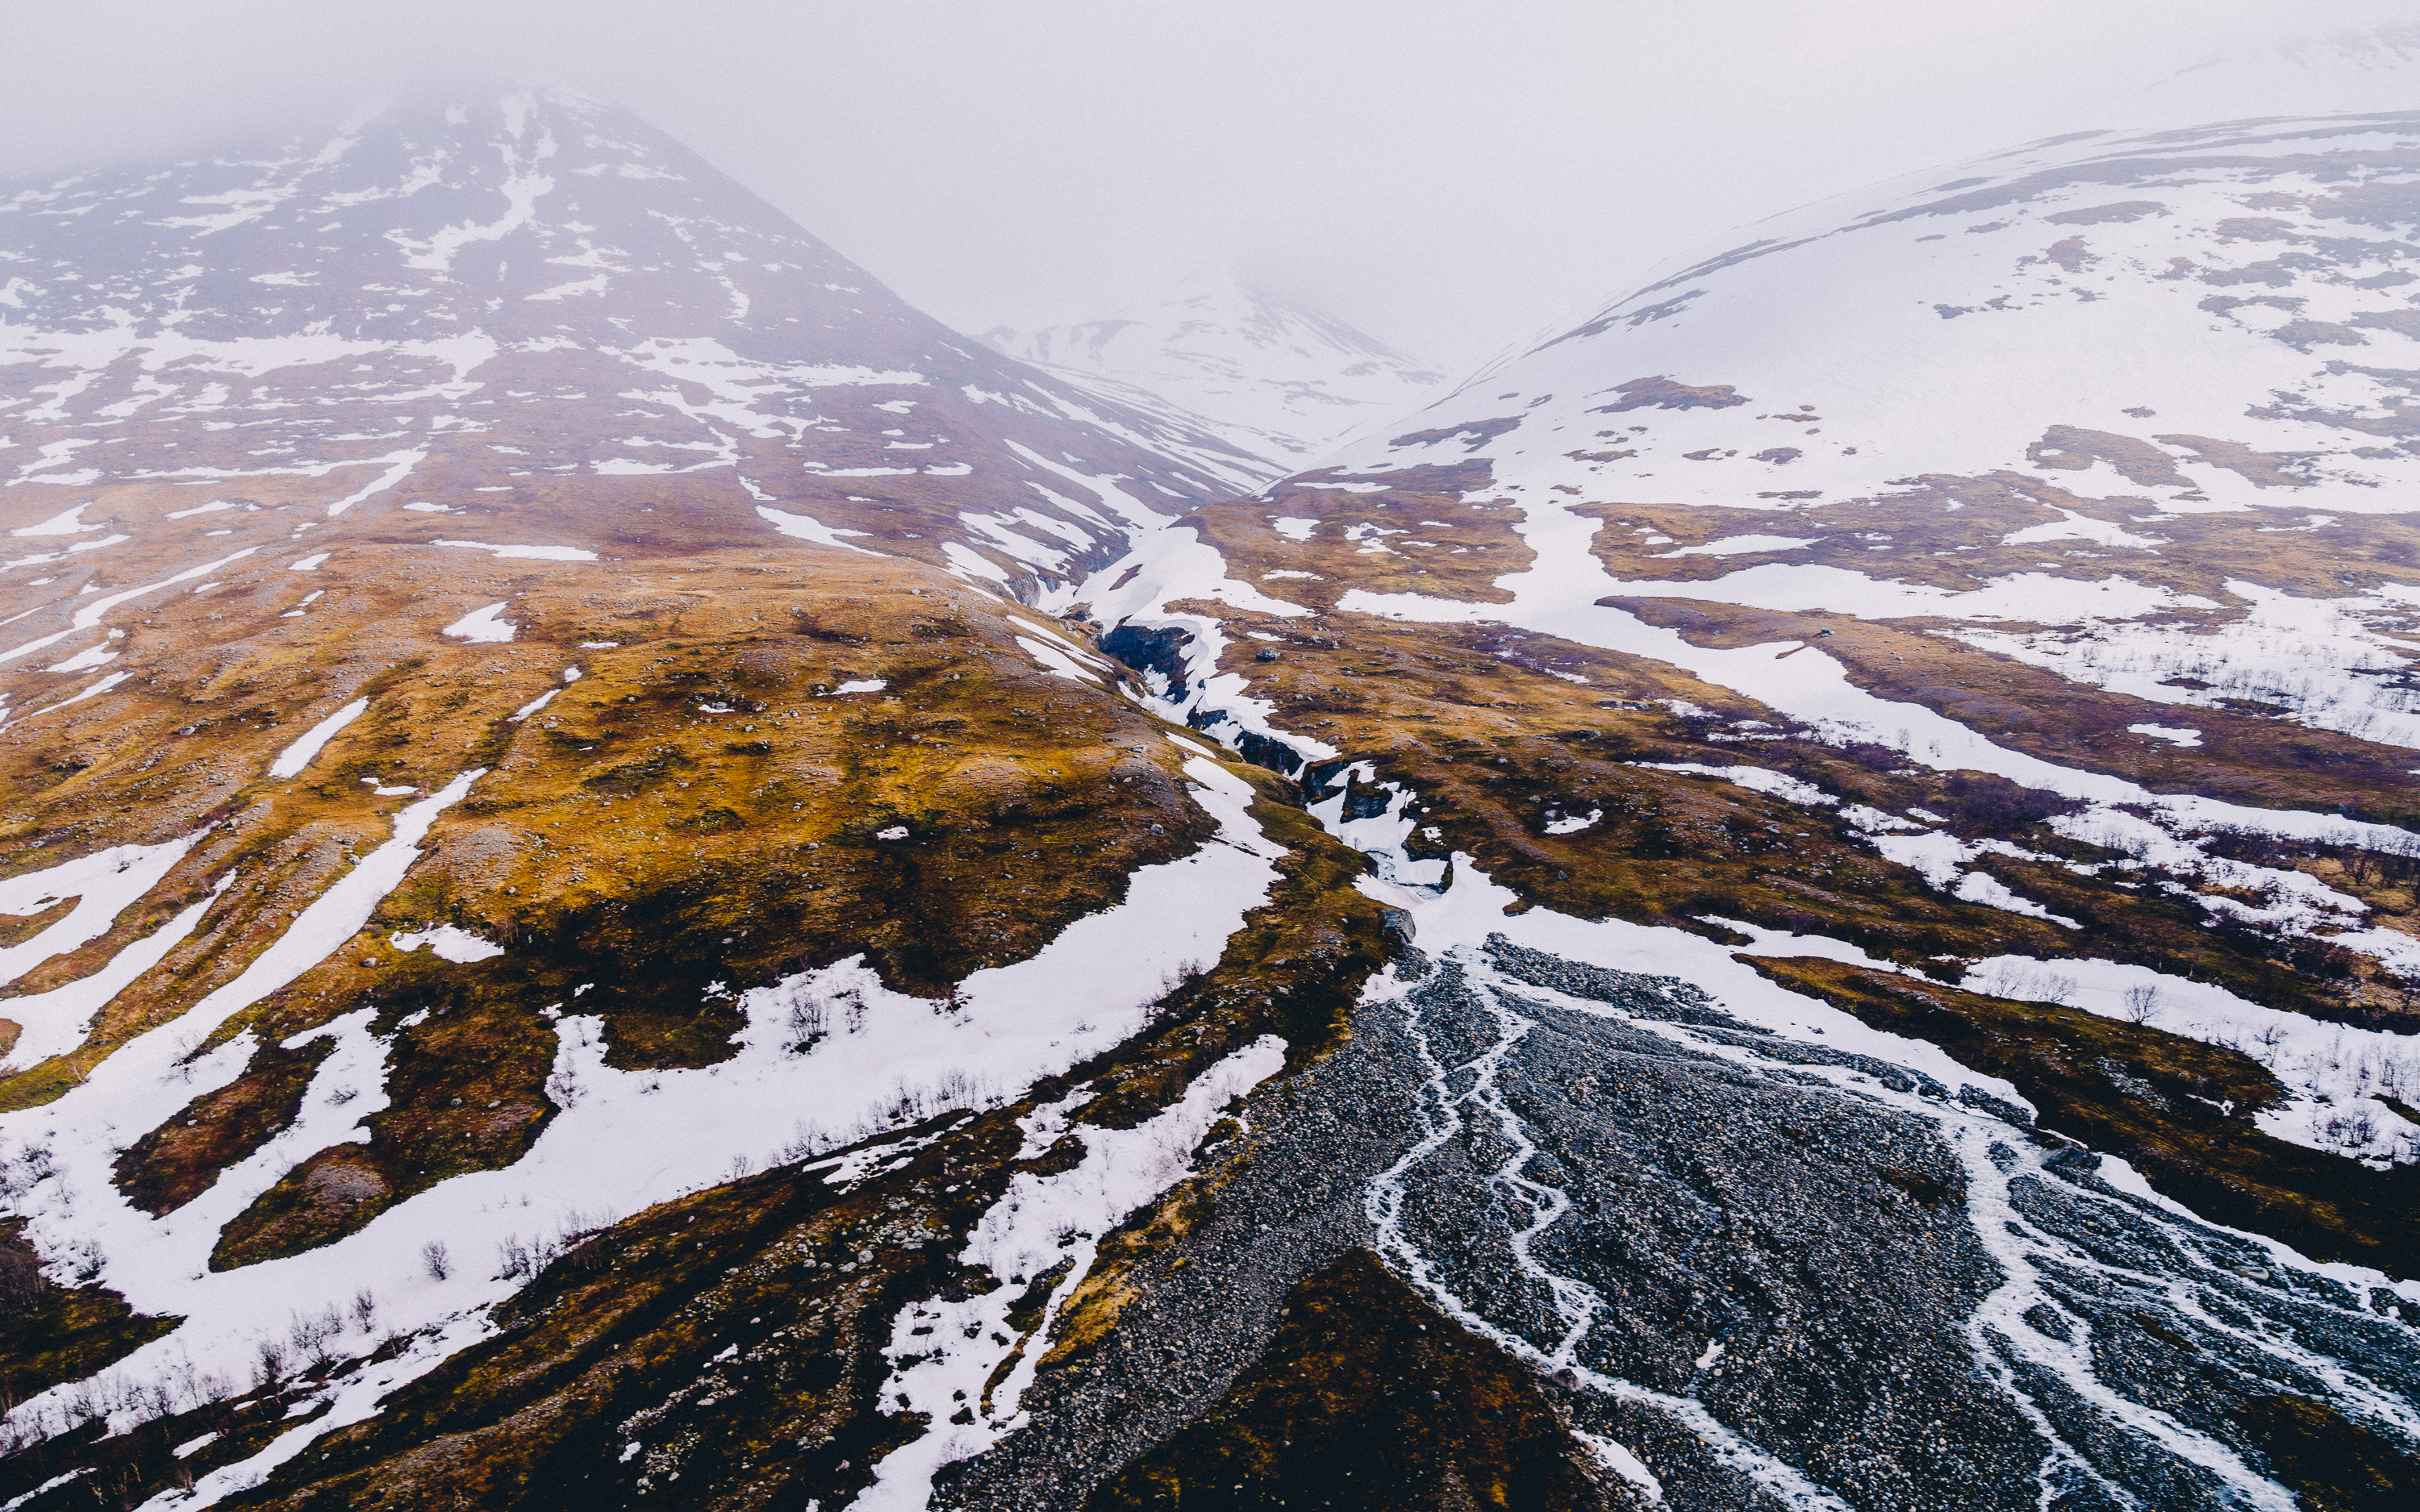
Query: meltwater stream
[{"x": 1778, "y": 1272}]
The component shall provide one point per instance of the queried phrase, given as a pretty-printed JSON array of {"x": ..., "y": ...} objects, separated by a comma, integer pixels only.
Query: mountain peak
[
  {"x": 1278, "y": 375},
  {"x": 519, "y": 213},
  {"x": 544, "y": 277}
]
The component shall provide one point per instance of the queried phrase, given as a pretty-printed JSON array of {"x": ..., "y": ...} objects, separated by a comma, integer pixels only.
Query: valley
[{"x": 630, "y": 874}]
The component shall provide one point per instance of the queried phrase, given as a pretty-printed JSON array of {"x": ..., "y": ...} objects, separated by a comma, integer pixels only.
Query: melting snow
[
  {"x": 947, "y": 1353},
  {"x": 542, "y": 553},
  {"x": 483, "y": 624},
  {"x": 291, "y": 761},
  {"x": 1737, "y": 546},
  {"x": 807, "y": 528},
  {"x": 67, "y": 523},
  {"x": 103, "y": 884},
  {"x": 2169, "y": 732},
  {"x": 2336, "y": 1073},
  {"x": 449, "y": 943}
]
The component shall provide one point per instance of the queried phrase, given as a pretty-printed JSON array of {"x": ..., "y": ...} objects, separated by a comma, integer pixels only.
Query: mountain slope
[
  {"x": 1282, "y": 380},
  {"x": 477, "y": 621},
  {"x": 540, "y": 314}
]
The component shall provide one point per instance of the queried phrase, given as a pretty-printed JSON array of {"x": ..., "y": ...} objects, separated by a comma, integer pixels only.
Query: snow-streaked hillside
[
  {"x": 544, "y": 291},
  {"x": 1286, "y": 381},
  {"x": 2227, "y": 312},
  {"x": 2183, "y": 358}
]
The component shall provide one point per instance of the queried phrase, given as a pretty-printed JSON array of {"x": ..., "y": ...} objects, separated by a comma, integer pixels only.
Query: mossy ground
[
  {"x": 2179, "y": 1110},
  {"x": 620, "y": 1338},
  {"x": 51, "y": 1334},
  {"x": 703, "y": 807}
]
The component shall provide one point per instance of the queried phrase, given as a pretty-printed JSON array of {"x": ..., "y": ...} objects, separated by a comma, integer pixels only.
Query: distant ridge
[{"x": 1271, "y": 375}]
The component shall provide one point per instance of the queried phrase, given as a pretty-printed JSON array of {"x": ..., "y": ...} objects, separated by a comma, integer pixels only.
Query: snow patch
[{"x": 294, "y": 758}]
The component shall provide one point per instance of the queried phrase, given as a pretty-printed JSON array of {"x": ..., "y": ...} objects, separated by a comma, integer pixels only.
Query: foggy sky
[{"x": 1451, "y": 176}]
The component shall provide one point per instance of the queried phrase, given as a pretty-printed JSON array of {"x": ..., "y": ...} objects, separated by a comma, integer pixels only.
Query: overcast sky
[{"x": 1451, "y": 176}]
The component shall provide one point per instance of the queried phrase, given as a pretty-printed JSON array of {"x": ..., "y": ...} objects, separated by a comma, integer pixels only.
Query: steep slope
[
  {"x": 1278, "y": 380},
  {"x": 533, "y": 315}
]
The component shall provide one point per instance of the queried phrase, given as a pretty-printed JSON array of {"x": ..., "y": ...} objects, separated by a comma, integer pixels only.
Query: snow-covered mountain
[
  {"x": 2244, "y": 284},
  {"x": 2166, "y": 351},
  {"x": 545, "y": 292},
  {"x": 1285, "y": 381}
]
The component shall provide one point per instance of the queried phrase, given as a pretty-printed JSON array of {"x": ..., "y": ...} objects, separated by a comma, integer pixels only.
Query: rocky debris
[
  {"x": 1369, "y": 1396},
  {"x": 1669, "y": 998},
  {"x": 1751, "y": 1277},
  {"x": 1629, "y": 1246},
  {"x": 1289, "y": 1202},
  {"x": 1145, "y": 649}
]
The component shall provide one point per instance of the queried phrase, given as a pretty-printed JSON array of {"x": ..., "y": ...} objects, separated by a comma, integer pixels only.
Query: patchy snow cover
[
  {"x": 2029, "y": 324},
  {"x": 1912, "y": 329},
  {"x": 448, "y": 943},
  {"x": 399, "y": 466},
  {"x": 1741, "y": 545},
  {"x": 2053, "y": 356},
  {"x": 1938, "y": 854},
  {"x": 1456, "y": 922},
  {"x": 543, "y": 553},
  {"x": 2173, "y": 734},
  {"x": 1754, "y": 779},
  {"x": 365, "y": 360},
  {"x": 1380, "y": 836},
  {"x": 56, "y": 1022},
  {"x": 826, "y": 1057},
  {"x": 2075, "y": 525},
  {"x": 2336, "y": 1071},
  {"x": 945, "y": 1353},
  {"x": 1057, "y": 662},
  {"x": 1764, "y": 940},
  {"x": 294, "y": 758},
  {"x": 483, "y": 624},
  {"x": 1167, "y": 562},
  {"x": 2033, "y": 597},
  {"x": 1559, "y": 592},
  {"x": 807, "y": 528},
  {"x": 89, "y": 615},
  {"x": 102, "y": 883},
  {"x": 2324, "y": 661},
  {"x": 67, "y": 523},
  {"x": 90, "y": 690},
  {"x": 865, "y": 685},
  {"x": 85, "y": 661}
]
